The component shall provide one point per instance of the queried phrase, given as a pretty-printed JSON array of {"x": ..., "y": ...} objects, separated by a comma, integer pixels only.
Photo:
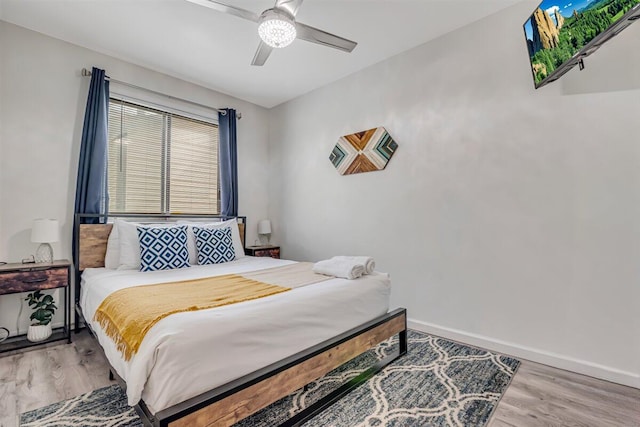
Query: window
[{"x": 160, "y": 162}]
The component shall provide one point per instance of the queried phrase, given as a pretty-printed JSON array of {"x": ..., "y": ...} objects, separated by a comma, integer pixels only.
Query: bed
[{"x": 250, "y": 354}]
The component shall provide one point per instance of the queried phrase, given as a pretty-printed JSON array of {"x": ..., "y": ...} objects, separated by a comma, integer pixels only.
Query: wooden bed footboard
[
  {"x": 241, "y": 398},
  {"x": 232, "y": 402}
]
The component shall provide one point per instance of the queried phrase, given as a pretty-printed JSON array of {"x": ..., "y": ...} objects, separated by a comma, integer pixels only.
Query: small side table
[
  {"x": 18, "y": 278},
  {"x": 263, "y": 251}
]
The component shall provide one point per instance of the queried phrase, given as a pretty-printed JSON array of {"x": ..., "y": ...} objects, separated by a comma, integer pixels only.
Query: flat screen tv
[{"x": 560, "y": 33}]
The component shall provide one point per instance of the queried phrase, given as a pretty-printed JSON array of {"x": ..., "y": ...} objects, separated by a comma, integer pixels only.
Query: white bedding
[{"x": 186, "y": 354}]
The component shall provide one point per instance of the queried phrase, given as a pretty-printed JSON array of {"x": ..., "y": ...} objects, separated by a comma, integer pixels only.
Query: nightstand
[
  {"x": 264, "y": 250},
  {"x": 19, "y": 278}
]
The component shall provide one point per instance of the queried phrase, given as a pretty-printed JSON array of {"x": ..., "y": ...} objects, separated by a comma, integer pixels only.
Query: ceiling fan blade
[
  {"x": 225, "y": 8},
  {"x": 263, "y": 52},
  {"x": 315, "y": 35},
  {"x": 291, "y": 6}
]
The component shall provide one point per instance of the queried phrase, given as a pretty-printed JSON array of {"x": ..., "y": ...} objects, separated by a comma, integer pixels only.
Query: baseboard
[{"x": 535, "y": 355}]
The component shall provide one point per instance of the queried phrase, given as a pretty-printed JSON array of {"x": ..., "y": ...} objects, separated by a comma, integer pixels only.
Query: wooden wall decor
[{"x": 365, "y": 151}]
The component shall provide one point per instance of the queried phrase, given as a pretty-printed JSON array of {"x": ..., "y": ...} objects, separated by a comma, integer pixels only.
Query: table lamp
[
  {"x": 264, "y": 228},
  {"x": 45, "y": 231}
]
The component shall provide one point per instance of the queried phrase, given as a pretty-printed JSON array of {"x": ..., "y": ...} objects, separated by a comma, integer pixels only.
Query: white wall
[
  {"x": 508, "y": 217},
  {"x": 42, "y": 101}
]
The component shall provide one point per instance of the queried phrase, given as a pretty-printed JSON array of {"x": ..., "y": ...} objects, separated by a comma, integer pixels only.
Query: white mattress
[{"x": 186, "y": 354}]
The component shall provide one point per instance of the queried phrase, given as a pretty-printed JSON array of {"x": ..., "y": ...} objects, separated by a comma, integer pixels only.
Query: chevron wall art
[{"x": 365, "y": 151}]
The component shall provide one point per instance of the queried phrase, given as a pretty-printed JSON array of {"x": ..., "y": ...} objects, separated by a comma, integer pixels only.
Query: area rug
[{"x": 438, "y": 383}]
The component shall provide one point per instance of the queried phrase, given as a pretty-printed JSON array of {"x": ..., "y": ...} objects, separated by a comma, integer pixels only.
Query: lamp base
[
  {"x": 264, "y": 239},
  {"x": 44, "y": 253}
]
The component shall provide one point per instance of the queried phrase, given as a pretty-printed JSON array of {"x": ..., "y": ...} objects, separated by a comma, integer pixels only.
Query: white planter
[{"x": 39, "y": 332}]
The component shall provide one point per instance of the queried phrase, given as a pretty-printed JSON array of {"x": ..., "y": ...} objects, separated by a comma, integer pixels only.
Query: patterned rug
[{"x": 438, "y": 383}]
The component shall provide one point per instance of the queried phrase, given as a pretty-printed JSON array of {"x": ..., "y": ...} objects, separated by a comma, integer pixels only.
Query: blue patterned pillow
[
  {"x": 214, "y": 245},
  {"x": 163, "y": 248}
]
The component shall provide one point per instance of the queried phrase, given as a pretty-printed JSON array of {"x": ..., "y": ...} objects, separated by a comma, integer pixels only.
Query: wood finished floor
[{"x": 538, "y": 395}]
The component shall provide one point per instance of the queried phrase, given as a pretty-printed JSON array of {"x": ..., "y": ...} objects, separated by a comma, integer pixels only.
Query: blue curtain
[
  {"x": 228, "y": 162},
  {"x": 91, "y": 185}
]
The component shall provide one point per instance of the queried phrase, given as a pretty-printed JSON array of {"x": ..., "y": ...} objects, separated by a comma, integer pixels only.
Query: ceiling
[{"x": 214, "y": 50}]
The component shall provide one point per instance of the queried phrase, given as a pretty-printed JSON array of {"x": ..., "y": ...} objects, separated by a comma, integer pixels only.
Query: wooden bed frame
[{"x": 227, "y": 404}]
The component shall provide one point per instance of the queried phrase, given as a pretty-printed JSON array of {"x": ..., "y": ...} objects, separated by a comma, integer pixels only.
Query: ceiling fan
[{"x": 278, "y": 28}]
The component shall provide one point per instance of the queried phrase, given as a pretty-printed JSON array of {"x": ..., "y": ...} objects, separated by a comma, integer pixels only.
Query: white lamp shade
[
  {"x": 45, "y": 231},
  {"x": 264, "y": 227}
]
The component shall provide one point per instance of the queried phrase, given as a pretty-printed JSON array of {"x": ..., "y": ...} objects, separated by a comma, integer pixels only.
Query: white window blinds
[
  {"x": 160, "y": 162},
  {"x": 193, "y": 167}
]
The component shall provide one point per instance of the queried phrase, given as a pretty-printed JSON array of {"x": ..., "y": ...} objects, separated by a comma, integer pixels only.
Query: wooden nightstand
[
  {"x": 264, "y": 250},
  {"x": 18, "y": 278}
]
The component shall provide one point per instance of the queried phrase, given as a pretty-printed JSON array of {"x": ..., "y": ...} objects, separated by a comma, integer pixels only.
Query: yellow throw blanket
[{"x": 128, "y": 314}]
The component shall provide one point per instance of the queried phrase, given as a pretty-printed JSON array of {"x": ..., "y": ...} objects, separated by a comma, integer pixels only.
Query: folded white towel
[
  {"x": 345, "y": 269},
  {"x": 366, "y": 261}
]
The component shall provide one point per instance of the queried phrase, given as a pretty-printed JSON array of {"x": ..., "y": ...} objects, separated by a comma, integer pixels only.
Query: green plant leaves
[{"x": 44, "y": 306}]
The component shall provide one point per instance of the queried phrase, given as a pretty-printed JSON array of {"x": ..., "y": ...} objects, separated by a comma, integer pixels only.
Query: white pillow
[
  {"x": 130, "y": 245},
  {"x": 112, "y": 257},
  {"x": 238, "y": 247}
]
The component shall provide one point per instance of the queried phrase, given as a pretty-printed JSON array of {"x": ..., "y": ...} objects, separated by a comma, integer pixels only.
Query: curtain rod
[{"x": 87, "y": 73}]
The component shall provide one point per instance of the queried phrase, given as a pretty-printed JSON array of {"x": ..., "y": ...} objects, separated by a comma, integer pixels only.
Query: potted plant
[{"x": 44, "y": 308}]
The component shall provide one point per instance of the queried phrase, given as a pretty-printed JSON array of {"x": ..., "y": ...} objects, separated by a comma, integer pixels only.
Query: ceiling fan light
[{"x": 276, "y": 28}]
